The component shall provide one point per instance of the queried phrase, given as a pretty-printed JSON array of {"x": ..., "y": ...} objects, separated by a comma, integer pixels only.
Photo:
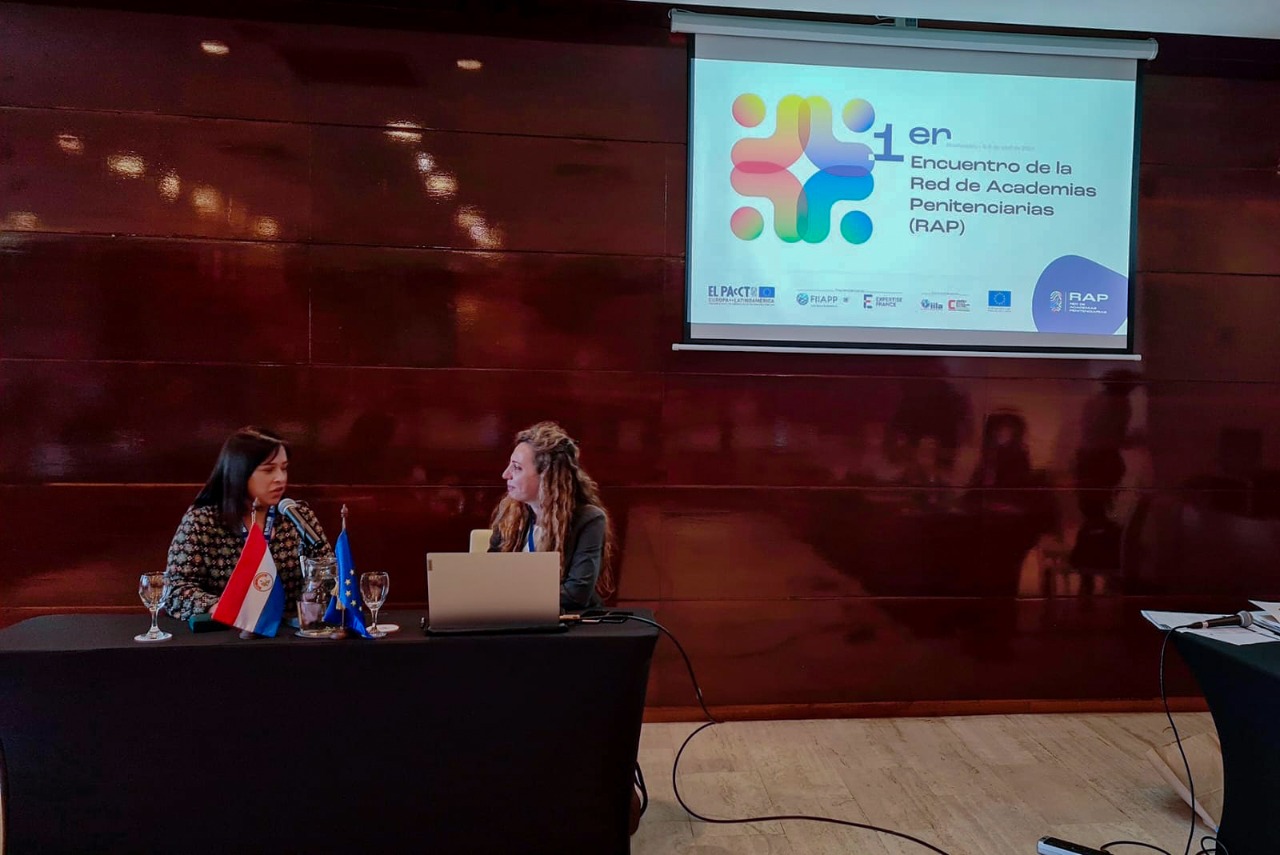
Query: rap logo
[{"x": 1086, "y": 297}]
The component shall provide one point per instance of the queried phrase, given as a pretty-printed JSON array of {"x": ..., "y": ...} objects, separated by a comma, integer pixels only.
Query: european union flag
[{"x": 351, "y": 615}]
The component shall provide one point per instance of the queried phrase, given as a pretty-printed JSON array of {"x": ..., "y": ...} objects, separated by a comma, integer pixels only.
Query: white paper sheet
[{"x": 1237, "y": 635}]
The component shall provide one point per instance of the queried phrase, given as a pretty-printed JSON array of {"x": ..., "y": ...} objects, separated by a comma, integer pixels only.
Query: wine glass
[
  {"x": 373, "y": 588},
  {"x": 153, "y": 589}
]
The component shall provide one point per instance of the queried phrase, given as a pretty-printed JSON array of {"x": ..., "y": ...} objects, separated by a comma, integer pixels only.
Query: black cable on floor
[
  {"x": 711, "y": 720},
  {"x": 1206, "y": 841}
]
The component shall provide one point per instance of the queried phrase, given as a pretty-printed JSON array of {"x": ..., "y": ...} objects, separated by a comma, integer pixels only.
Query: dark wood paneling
[
  {"x": 805, "y": 524},
  {"x": 68, "y": 171},
  {"x": 410, "y": 188},
  {"x": 138, "y": 63},
  {"x": 75, "y": 297},
  {"x": 780, "y": 544},
  {"x": 433, "y": 308},
  {"x": 103, "y": 60},
  {"x": 525, "y": 86},
  {"x": 131, "y": 423},
  {"x": 858, "y": 651},
  {"x": 119, "y": 422},
  {"x": 1210, "y": 121},
  {"x": 380, "y": 426},
  {"x": 739, "y": 429},
  {"x": 120, "y": 533},
  {"x": 1211, "y": 430},
  {"x": 677, "y": 190},
  {"x": 772, "y": 544},
  {"x": 1198, "y": 220},
  {"x": 1210, "y": 327}
]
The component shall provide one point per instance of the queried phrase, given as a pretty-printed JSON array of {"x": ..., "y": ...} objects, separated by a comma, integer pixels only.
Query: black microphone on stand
[
  {"x": 289, "y": 508},
  {"x": 1244, "y": 618}
]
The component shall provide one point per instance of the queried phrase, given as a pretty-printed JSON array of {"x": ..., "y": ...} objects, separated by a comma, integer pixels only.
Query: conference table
[
  {"x": 209, "y": 743},
  {"x": 1242, "y": 687}
]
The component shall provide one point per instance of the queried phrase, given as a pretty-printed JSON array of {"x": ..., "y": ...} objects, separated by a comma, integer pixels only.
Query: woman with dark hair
[
  {"x": 245, "y": 487},
  {"x": 553, "y": 505}
]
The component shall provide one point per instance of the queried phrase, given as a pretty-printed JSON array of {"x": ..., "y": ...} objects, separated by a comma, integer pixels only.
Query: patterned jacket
[{"x": 204, "y": 553}]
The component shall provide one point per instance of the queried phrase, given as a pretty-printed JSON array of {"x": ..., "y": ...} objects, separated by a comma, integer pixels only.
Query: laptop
[{"x": 470, "y": 592}]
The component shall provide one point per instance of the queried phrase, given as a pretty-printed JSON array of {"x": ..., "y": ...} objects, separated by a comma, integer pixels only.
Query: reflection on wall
[{"x": 399, "y": 247}]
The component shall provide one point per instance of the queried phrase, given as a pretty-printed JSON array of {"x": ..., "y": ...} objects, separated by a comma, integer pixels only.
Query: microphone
[
  {"x": 289, "y": 508},
  {"x": 1244, "y": 618}
]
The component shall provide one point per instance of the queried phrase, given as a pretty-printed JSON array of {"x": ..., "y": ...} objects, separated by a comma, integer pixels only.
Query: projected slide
[{"x": 890, "y": 206}]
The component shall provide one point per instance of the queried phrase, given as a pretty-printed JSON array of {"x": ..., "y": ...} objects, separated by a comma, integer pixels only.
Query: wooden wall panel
[
  {"x": 1198, "y": 220},
  {"x": 275, "y": 71},
  {"x": 99, "y": 173},
  {"x": 429, "y": 308},
  {"x": 337, "y": 231},
  {"x": 99, "y": 298},
  {"x": 492, "y": 193}
]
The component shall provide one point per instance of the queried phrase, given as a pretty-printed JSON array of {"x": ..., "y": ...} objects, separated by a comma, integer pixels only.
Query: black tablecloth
[
  {"x": 212, "y": 743},
  {"x": 1242, "y": 686}
]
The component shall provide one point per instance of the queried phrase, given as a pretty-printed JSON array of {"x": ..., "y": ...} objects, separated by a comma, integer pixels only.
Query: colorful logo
[
  {"x": 263, "y": 581},
  {"x": 868, "y": 301},
  {"x": 999, "y": 299},
  {"x": 764, "y": 168},
  {"x": 1055, "y": 301}
]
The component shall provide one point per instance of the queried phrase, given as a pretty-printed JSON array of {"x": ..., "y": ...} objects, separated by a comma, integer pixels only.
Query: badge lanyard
[{"x": 268, "y": 527}]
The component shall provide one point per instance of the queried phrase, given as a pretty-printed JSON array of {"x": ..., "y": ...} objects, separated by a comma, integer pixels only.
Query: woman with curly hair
[{"x": 553, "y": 505}]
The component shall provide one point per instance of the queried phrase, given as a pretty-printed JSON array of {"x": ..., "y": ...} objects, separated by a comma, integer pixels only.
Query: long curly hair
[{"x": 565, "y": 485}]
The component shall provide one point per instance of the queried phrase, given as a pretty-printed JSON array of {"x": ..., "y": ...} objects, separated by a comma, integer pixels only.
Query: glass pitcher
[{"x": 319, "y": 576}]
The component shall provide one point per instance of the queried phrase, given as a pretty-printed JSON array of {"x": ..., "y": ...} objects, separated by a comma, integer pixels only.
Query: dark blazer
[{"x": 584, "y": 550}]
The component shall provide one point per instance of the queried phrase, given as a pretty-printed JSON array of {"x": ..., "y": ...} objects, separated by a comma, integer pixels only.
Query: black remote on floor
[{"x": 1054, "y": 846}]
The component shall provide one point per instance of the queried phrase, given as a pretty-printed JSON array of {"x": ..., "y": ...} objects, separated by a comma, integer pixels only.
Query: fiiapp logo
[{"x": 765, "y": 168}]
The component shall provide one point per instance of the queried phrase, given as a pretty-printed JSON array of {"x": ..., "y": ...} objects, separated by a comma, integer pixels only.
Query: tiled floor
[{"x": 982, "y": 785}]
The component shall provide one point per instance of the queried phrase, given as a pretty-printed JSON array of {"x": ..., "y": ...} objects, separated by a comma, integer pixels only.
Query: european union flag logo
[
  {"x": 1000, "y": 299},
  {"x": 351, "y": 615},
  {"x": 766, "y": 292}
]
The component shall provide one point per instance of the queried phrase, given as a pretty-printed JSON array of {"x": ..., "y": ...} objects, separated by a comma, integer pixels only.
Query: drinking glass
[
  {"x": 152, "y": 589},
  {"x": 373, "y": 588}
]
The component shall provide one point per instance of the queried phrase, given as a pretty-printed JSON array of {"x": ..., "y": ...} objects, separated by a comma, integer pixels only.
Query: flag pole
[
  {"x": 342, "y": 603},
  {"x": 341, "y": 630}
]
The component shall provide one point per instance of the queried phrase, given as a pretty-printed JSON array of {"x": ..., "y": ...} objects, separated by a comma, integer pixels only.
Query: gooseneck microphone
[
  {"x": 289, "y": 508},
  {"x": 1244, "y": 618}
]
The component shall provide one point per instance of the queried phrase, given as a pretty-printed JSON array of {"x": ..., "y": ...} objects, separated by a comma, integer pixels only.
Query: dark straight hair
[{"x": 228, "y": 486}]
